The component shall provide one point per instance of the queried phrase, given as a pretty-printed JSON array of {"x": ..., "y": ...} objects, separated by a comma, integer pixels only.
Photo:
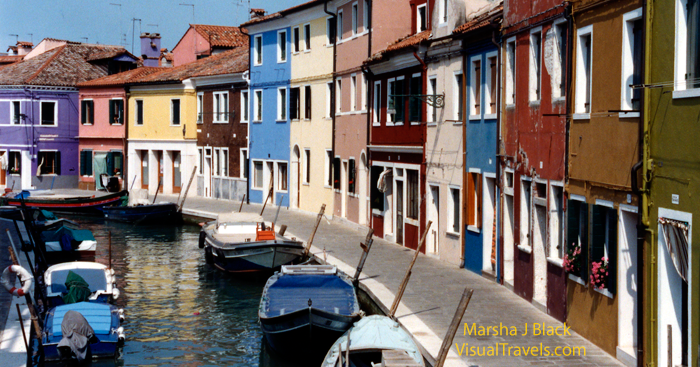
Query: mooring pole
[
  {"x": 21, "y": 323},
  {"x": 313, "y": 233},
  {"x": 269, "y": 194},
  {"x": 110, "y": 249},
  {"x": 406, "y": 277},
  {"x": 279, "y": 206},
  {"x": 27, "y": 298},
  {"x": 366, "y": 246},
  {"x": 449, "y": 337},
  {"x": 157, "y": 189},
  {"x": 184, "y": 197},
  {"x": 240, "y": 209}
]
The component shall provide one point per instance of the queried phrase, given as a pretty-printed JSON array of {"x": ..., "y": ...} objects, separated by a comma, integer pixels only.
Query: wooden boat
[
  {"x": 71, "y": 204},
  {"x": 370, "y": 339},
  {"x": 64, "y": 242},
  {"x": 104, "y": 319},
  {"x": 305, "y": 308},
  {"x": 165, "y": 212},
  {"x": 242, "y": 242},
  {"x": 99, "y": 279}
]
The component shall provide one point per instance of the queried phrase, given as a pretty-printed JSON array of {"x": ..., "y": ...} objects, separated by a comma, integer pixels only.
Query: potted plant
[
  {"x": 572, "y": 259},
  {"x": 599, "y": 273}
]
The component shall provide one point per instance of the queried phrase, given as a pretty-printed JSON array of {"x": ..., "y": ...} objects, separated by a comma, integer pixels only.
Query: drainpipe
[
  {"x": 370, "y": 87},
  {"x": 462, "y": 243},
  {"x": 568, "y": 15},
  {"x": 333, "y": 96},
  {"x": 250, "y": 118},
  {"x": 497, "y": 31},
  {"x": 424, "y": 133},
  {"x": 125, "y": 155}
]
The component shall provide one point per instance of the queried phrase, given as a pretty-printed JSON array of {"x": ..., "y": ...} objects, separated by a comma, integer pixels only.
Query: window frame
[
  {"x": 402, "y": 102},
  {"x": 245, "y": 108},
  {"x": 583, "y": 84},
  {"x": 419, "y": 19},
  {"x": 431, "y": 113},
  {"x": 295, "y": 103},
  {"x": 442, "y": 12},
  {"x": 280, "y": 184},
  {"x": 41, "y": 113},
  {"x": 224, "y": 102},
  {"x": 339, "y": 26},
  {"x": 628, "y": 67},
  {"x": 200, "y": 108},
  {"x": 377, "y": 103},
  {"x": 475, "y": 87},
  {"x": 282, "y": 104},
  {"x": 307, "y": 166},
  {"x": 172, "y": 110},
  {"x": 353, "y": 92},
  {"x": 458, "y": 97},
  {"x": 296, "y": 40},
  {"x": 83, "y": 116},
  {"x": 490, "y": 89},
  {"x": 282, "y": 53},
  {"x": 13, "y": 120},
  {"x": 474, "y": 200},
  {"x": 328, "y": 169},
  {"x": 454, "y": 224},
  {"x": 561, "y": 39},
  {"x": 257, "y": 50},
  {"x": 307, "y": 37},
  {"x": 339, "y": 95},
  {"x": 330, "y": 31},
  {"x": 57, "y": 162},
  {"x": 535, "y": 65},
  {"x": 254, "y": 163},
  {"x": 118, "y": 101},
  {"x": 308, "y": 106},
  {"x": 556, "y": 255},
  {"x": 243, "y": 169},
  {"x": 365, "y": 15},
  {"x": 329, "y": 99},
  {"x": 139, "y": 112},
  {"x": 83, "y": 170},
  {"x": 11, "y": 162},
  {"x": 355, "y": 21},
  {"x": 511, "y": 71},
  {"x": 257, "y": 105}
]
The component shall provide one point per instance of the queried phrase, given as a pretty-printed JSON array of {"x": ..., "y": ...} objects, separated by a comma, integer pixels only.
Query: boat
[
  {"x": 97, "y": 277},
  {"x": 165, "y": 212},
  {"x": 305, "y": 308},
  {"x": 61, "y": 203},
  {"x": 243, "y": 242},
  {"x": 66, "y": 242},
  {"x": 370, "y": 339},
  {"x": 103, "y": 339}
]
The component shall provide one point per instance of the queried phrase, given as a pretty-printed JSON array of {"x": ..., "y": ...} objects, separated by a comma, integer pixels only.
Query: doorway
[
  {"x": 489, "y": 224},
  {"x": 434, "y": 216},
  {"x": 539, "y": 233},
  {"x": 177, "y": 174},
  {"x": 399, "y": 212},
  {"x": 159, "y": 159},
  {"x": 627, "y": 285},
  {"x": 344, "y": 190},
  {"x": 207, "y": 172},
  {"x": 508, "y": 239},
  {"x": 144, "y": 169},
  {"x": 3, "y": 158},
  {"x": 362, "y": 182}
]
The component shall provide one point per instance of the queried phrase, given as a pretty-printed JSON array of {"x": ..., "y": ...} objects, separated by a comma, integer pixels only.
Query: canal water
[{"x": 179, "y": 310}]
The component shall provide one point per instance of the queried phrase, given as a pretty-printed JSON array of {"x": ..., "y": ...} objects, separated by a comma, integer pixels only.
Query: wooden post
[
  {"x": 313, "y": 233},
  {"x": 160, "y": 182},
  {"x": 669, "y": 337},
  {"x": 366, "y": 246},
  {"x": 240, "y": 209},
  {"x": 110, "y": 249},
  {"x": 279, "y": 206},
  {"x": 269, "y": 193},
  {"x": 283, "y": 229},
  {"x": 406, "y": 277},
  {"x": 184, "y": 197},
  {"x": 28, "y": 299},
  {"x": 449, "y": 337},
  {"x": 21, "y": 323}
]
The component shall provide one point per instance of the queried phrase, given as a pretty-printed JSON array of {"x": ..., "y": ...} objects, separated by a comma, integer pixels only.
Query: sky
[{"x": 110, "y": 21}]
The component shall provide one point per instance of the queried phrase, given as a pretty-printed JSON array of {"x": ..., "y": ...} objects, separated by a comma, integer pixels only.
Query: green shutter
[
  {"x": 110, "y": 163},
  {"x": 598, "y": 234},
  {"x": 83, "y": 116},
  {"x": 82, "y": 163}
]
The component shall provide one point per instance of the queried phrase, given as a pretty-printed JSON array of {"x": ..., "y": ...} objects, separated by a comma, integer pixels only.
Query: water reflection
[{"x": 180, "y": 311}]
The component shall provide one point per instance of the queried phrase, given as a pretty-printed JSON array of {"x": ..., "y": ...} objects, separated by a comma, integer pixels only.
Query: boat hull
[
  {"x": 85, "y": 205},
  {"x": 258, "y": 256},
  {"x": 166, "y": 213}
]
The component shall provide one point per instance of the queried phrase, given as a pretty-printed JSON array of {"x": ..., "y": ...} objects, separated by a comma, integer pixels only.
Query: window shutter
[
  {"x": 83, "y": 116},
  {"x": 598, "y": 234},
  {"x": 120, "y": 105},
  {"x": 470, "y": 199},
  {"x": 82, "y": 163},
  {"x": 58, "y": 163},
  {"x": 612, "y": 250},
  {"x": 478, "y": 201},
  {"x": 110, "y": 163}
]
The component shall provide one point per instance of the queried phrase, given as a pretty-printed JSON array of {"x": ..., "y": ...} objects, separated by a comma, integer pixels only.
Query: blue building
[{"x": 269, "y": 129}]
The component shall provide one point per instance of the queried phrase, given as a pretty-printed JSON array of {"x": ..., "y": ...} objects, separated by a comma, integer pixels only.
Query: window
[
  {"x": 421, "y": 18},
  {"x": 687, "y": 44},
  {"x": 281, "y": 104},
  {"x": 454, "y": 208},
  {"x": 307, "y": 37},
  {"x": 330, "y": 31},
  {"x": 282, "y": 176},
  {"x": 200, "y": 105},
  {"x": 200, "y": 169},
  {"x": 336, "y": 173},
  {"x": 583, "y": 70},
  {"x": 338, "y": 95},
  {"x": 412, "y": 194},
  {"x": 294, "y": 101},
  {"x": 16, "y": 113},
  {"x": 491, "y": 92},
  {"x": 558, "y": 76},
  {"x": 14, "y": 165},
  {"x": 432, "y": 90},
  {"x": 365, "y": 15},
  {"x": 258, "y": 105},
  {"x": 443, "y": 11},
  {"x": 86, "y": 162},
  {"x": 295, "y": 39},
  {"x": 281, "y": 46},
  {"x": 376, "y": 196},
  {"x": 258, "y": 172},
  {"x": 307, "y": 102},
  {"x": 224, "y": 162},
  {"x": 415, "y": 105},
  {"x": 376, "y": 103},
  {"x": 244, "y": 163},
  {"x": 556, "y": 223},
  {"x": 216, "y": 165},
  {"x": 525, "y": 211},
  {"x": 535, "y": 64},
  {"x": 340, "y": 25},
  {"x": 87, "y": 112},
  {"x": 48, "y": 113},
  {"x": 604, "y": 240},
  {"x": 354, "y": 19},
  {"x": 115, "y": 163},
  {"x": 257, "y": 49},
  {"x": 577, "y": 231},
  {"x": 329, "y": 168},
  {"x": 632, "y": 60},
  {"x": 116, "y": 111},
  {"x": 139, "y": 112},
  {"x": 510, "y": 71},
  {"x": 244, "y": 106},
  {"x": 49, "y": 163},
  {"x": 329, "y": 96},
  {"x": 175, "y": 112},
  {"x": 474, "y": 199},
  {"x": 220, "y": 106},
  {"x": 395, "y": 100},
  {"x": 307, "y": 165},
  {"x": 353, "y": 92},
  {"x": 458, "y": 97},
  {"x": 351, "y": 176},
  {"x": 363, "y": 93},
  {"x": 475, "y": 88}
]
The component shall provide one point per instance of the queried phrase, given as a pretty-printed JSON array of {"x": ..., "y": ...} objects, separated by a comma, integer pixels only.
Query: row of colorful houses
[{"x": 549, "y": 143}]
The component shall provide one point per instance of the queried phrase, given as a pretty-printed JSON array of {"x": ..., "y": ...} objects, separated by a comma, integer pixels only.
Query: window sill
[
  {"x": 413, "y": 222},
  {"x": 577, "y": 280},
  {"x": 200, "y": 123},
  {"x": 415, "y": 123},
  {"x": 534, "y": 103},
  {"x": 83, "y": 124},
  {"x": 556, "y": 262},
  {"x": 220, "y": 122},
  {"x": 474, "y": 229},
  {"x": 327, "y": 187},
  {"x": 559, "y": 100},
  {"x": 174, "y": 125},
  {"x": 510, "y": 106},
  {"x": 432, "y": 124},
  {"x": 490, "y": 116},
  {"x": 378, "y": 212},
  {"x": 687, "y": 93},
  {"x": 305, "y": 183},
  {"x": 257, "y": 122},
  {"x": 581, "y": 116},
  {"x": 281, "y": 61},
  {"x": 376, "y": 124},
  {"x": 278, "y": 120},
  {"x": 475, "y": 117},
  {"x": 526, "y": 249},
  {"x": 453, "y": 234},
  {"x": 604, "y": 292},
  {"x": 255, "y": 64},
  {"x": 256, "y": 188},
  {"x": 457, "y": 122},
  {"x": 624, "y": 115},
  {"x": 306, "y": 51}
]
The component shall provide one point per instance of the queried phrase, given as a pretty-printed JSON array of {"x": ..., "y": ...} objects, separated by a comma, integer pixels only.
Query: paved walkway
[{"x": 432, "y": 296}]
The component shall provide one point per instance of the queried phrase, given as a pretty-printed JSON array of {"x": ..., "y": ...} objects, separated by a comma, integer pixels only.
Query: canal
[{"x": 179, "y": 310}]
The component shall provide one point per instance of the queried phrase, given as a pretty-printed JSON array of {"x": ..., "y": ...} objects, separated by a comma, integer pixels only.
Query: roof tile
[{"x": 221, "y": 36}]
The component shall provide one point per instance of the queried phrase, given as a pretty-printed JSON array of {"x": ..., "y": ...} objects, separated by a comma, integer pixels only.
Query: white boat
[{"x": 99, "y": 278}]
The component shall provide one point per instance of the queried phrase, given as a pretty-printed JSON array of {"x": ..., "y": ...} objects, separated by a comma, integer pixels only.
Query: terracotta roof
[
  {"x": 12, "y": 48},
  {"x": 120, "y": 78},
  {"x": 10, "y": 59},
  {"x": 24, "y": 43},
  {"x": 221, "y": 36},
  {"x": 109, "y": 53},
  {"x": 227, "y": 62},
  {"x": 66, "y": 65},
  {"x": 282, "y": 13},
  {"x": 479, "y": 21},
  {"x": 400, "y": 44},
  {"x": 261, "y": 19}
]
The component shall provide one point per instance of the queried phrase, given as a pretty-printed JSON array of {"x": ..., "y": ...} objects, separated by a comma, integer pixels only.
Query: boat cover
[
  {"x": 98, "y": 315},
  {"x": 327, "y": 292},
  {"x": 69, "y": 238},
  {"x": 78, "y": 288},
  {"x": 76, "y": 332}
]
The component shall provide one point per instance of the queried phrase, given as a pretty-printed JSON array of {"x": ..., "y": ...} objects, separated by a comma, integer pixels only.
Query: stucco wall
[{"x": 191, "y": 44}]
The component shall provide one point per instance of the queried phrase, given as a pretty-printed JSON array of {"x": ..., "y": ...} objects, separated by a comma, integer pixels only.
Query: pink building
[{"x": 205, "y": 40}]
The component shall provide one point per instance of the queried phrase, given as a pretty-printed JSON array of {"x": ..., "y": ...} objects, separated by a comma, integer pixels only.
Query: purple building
[
  {"x": 39, "y": 112},
  {"x": 150, "y": 48}
]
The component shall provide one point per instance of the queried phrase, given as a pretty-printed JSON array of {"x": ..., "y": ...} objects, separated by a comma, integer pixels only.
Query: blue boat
[
  {"x": 160, "y": 213},
  {"x": 104, "y": 319},
  {"x": 305, "y": 308}
]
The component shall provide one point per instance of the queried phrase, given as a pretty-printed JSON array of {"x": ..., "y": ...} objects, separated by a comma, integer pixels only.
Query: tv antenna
[
  {"x": 31, "y": 37},
  {"x": 16, "y": 37},
  {"x": 192, "y": 5}
]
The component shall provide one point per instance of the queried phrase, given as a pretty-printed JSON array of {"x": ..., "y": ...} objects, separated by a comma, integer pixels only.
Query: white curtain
[{"x": 676, "y": 235}]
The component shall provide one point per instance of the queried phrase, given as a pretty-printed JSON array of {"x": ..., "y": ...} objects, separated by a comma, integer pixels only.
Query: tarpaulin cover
[
  {"x": 66, "y": 236},
  {"x": 99, "y": 315},
  {"x": 77, "y": 333},
  {"x": 327, "y": 292},
  {"x": 78, "y": 289}
]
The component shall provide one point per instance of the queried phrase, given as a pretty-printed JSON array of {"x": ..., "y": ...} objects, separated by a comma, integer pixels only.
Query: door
[
  {"x": 489, "y": 225},
  {"x": 362, "y": 182},
  {"x": 539, "y": 234},
  {"x": 627, "y": 283},
  {"x": 344, "y": 190},
  {"x": 3, "y": 158},
  {"x": 399, "y": 212},
  {"x": 144, "y": 169},
  {"x": 177, "y": 174},
  {"x": 296, "y": 177},
  {"x": 159, "y": 158},
  {"x": 434, "y": 216},
  {"x": 207, "y": 172}
]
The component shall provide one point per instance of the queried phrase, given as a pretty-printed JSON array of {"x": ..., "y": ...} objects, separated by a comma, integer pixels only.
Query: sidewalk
[{"x": 432, "y": 295}]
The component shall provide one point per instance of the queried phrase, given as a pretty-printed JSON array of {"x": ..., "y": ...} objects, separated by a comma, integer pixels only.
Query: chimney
[
  {"x": 150, "y": 48},
  {"x": 24, "y": 48},
  {"x": 256, "y": 13}
]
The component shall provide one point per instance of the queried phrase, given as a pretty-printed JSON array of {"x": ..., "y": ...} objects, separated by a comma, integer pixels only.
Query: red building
[{"x": 533, "y": 150}]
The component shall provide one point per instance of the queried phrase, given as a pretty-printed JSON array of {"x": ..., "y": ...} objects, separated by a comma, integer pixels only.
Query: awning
[{"x": 676, "y": 235}]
